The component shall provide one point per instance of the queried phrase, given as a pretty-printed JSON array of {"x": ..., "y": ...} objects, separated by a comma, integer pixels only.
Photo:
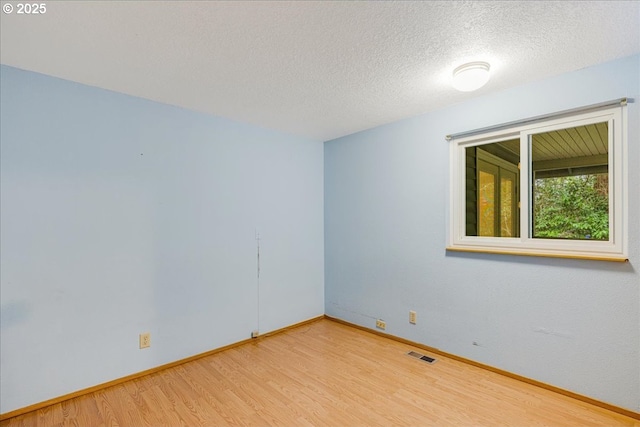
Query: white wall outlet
[
  {"x": 254, "y": 334},
  {"x": 145, "y": 340},
  {"x": 381, "y": 324},
  {"x": 413, "y": 317}
]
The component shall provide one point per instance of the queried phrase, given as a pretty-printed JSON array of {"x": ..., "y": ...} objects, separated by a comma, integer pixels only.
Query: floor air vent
[{"x": 421, "y": 357}]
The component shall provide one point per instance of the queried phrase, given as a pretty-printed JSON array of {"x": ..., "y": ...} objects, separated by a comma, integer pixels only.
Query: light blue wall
[
  {"x": 121, "y": 215},
  {"x": 570, "y": 323}
]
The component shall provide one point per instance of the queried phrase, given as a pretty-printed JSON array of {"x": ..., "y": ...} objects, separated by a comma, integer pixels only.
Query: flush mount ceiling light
[{"x": 471, "y": 76}]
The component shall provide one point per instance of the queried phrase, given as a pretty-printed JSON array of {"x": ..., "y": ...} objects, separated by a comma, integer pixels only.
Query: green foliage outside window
[{"x": 572, "y": 207}]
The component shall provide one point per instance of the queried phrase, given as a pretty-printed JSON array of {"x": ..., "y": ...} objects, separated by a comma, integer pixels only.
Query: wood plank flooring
[{"x": 322, "y": 374}]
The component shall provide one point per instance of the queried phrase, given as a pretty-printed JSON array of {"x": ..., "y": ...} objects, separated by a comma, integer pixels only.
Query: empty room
[{"x": 319, "y": 213}]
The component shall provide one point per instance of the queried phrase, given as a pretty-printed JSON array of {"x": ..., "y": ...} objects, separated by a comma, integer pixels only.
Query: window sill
[{"x": 594, "y": 257}]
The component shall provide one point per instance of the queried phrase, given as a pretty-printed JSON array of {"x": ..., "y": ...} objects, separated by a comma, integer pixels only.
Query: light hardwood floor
[{"x": 322, "y": 374}]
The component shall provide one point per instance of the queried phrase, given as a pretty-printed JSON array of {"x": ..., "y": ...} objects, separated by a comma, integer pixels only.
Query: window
[{"x": 553, "y": 186}]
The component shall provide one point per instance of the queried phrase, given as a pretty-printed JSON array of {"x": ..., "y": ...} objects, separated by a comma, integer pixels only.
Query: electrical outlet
[
  {"x": 145, "y": 340},
  {"x": 254, "y": 334},
  {"x": 413, "y": 317},
  {"x": 381, "y": 324}
]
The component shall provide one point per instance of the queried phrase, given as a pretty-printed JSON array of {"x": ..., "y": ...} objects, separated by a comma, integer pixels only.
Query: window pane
[
  {"x": 507, "y": 205},
  {"x": 492, "y": 189},
  {"x": 486, "y": 206},
  {"x": 571, "y": 183}
]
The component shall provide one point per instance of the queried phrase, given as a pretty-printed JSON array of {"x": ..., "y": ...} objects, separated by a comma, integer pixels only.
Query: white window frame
[{"x": 615, "y": 249}]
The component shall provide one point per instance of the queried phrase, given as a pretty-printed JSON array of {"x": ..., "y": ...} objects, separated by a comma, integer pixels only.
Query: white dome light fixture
[{"x": 471, "y": 76}]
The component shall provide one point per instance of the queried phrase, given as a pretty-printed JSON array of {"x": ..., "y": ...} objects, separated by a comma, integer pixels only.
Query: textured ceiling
[{"x": 316, "y": 69}]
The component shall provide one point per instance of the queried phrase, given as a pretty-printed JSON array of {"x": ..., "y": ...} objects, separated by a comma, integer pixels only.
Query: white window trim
[{"x": 615, "y": 249}]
